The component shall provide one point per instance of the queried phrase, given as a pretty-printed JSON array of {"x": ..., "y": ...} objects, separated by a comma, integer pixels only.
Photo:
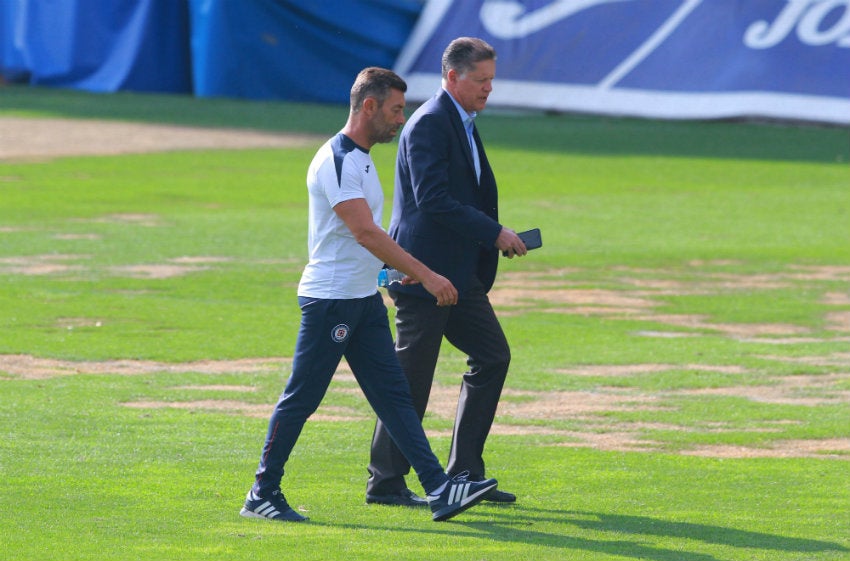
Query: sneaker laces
[
  {"x": 459, "y": 478},
  {"x": 462, "y": 476}
]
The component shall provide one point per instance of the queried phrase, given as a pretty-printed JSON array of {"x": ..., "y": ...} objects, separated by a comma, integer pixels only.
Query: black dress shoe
[
  {"x": 499, "y": 496},
  {"x": 402, "y": 498}
]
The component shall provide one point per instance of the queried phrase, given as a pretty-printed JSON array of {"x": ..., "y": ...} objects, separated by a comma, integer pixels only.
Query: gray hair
[
  {"x": 464, "y": 53},
  {"x": 377, "y": 83}
]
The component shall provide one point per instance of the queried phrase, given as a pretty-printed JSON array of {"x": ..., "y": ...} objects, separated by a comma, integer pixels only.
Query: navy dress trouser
[{"x": 472, "y": 327}]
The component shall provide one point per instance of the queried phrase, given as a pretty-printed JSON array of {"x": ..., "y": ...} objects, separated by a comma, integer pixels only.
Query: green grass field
[{"x": 680, "y": 384}]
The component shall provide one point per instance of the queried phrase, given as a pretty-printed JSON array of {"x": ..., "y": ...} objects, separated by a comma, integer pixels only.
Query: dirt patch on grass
[
  {"x": 833, "y": 448},
  {"x": 838, "y": 321},
  {"x": 37, "y": 265},
  {"x": 137, "y": 219},
  {"x": 155, "y": 271},
  {"x": 588, "y": 298},
  {"x": 806, "y": 390},
  {"x": 839, "y": 359},
  {"x": 565, "y": 418},
  {"x": 63, "y": 265},
  {"x": 635, "y": 369},
  {"x": 641, "y": 297},
  {"x": 219, "y": 388},
  {"x": 220, "y": 405},
  {"x": 325, "y": 413},
  {"x": 33, "y": 368},
  {"x": 43, "y": 139}
]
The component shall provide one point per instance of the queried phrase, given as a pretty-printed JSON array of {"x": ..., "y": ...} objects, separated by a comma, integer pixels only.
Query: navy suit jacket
[{"x": 441, "y": 214}]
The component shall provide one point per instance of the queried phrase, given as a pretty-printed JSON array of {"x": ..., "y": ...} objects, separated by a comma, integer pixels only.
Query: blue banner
[{"x": 787, "y": 59}]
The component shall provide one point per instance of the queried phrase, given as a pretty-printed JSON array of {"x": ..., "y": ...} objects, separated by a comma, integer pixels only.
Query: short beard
[{"x": 381, "y": 133}]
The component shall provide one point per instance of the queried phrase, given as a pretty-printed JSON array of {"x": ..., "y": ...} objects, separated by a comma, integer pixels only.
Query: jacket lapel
[{"x": 460, "y": 131}]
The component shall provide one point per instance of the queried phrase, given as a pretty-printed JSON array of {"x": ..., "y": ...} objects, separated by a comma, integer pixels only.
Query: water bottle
[{"x": 387, "y": 277}]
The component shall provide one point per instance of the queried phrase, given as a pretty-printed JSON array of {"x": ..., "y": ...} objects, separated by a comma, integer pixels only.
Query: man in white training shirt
[{"x": 343, "y": 314}]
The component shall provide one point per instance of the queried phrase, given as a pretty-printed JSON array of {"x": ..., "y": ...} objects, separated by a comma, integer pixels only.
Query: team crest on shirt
[{"x": 340, "y": 333}]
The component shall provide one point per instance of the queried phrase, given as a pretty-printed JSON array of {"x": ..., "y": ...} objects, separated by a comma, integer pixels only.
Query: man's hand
[
  {"x": 510, "y": 243},
  {"x": 441, "y": 288}
]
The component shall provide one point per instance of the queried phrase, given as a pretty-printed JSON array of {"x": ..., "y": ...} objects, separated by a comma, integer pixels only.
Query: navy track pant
[{"x": 359, "y": 330}]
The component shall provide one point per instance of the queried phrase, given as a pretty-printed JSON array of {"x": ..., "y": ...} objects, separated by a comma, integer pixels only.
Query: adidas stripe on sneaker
[
  {"x": 459, "y": 495},
  {"x": 274, "y": 507}
]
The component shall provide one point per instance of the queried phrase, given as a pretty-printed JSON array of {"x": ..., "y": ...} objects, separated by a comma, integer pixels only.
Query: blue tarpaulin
[
  {"x": 97, "y": 45},
  {"x": 304, "y": 50},
  {"x": 13, "y": 67},
  {"x": 295, "y": 50}
]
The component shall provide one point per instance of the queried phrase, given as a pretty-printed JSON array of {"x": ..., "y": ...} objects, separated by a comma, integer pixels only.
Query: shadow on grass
[
  {"x": 720, "y": 535},
  {"x": 517, "y": 529},
  {"x": 573, "y": 134},
  {"x": 515, "y": 525}
]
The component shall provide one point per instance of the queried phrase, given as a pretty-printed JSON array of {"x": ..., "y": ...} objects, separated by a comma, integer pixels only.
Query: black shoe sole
[{"x": 503, "y": 497}]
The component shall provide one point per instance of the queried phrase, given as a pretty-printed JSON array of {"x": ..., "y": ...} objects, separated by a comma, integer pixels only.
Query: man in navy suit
[{"x": 445, "y": 213}]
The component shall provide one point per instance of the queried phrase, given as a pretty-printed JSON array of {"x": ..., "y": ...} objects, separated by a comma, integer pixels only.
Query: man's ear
[{"x": 370, "y": 105}]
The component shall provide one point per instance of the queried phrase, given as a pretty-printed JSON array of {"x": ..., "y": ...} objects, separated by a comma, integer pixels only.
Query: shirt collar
[{"x": 464, "y": 116}]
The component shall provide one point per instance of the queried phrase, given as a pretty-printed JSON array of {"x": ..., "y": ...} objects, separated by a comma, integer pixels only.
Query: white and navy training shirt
[{"x": 339, "y": 267}]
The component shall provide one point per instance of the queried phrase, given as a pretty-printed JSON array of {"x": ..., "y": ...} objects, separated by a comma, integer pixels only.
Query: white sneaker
[
  {"x": 274, "y": 507},
  {"x": 459, "y": 495}
]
